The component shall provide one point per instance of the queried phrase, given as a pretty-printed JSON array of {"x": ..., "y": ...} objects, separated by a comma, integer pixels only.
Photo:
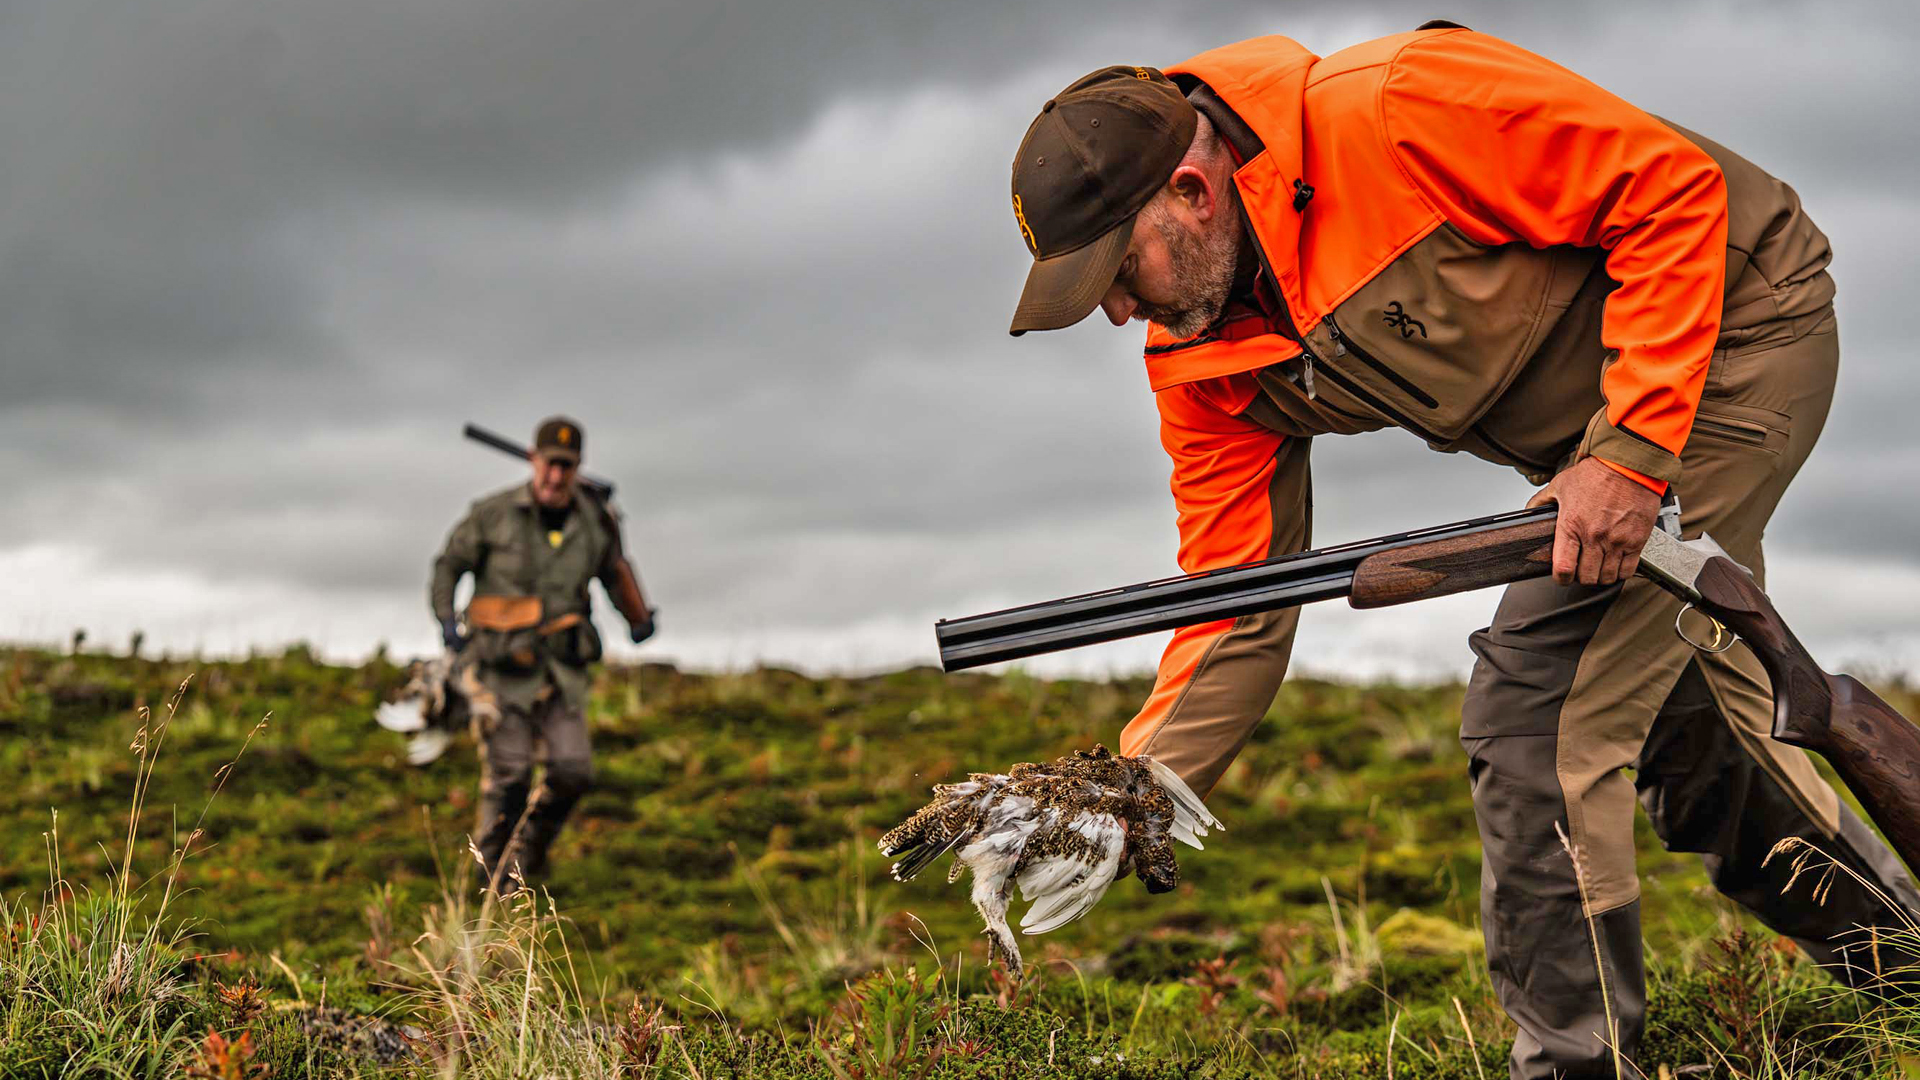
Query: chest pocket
[
  {"x": 1434, "y": 339},
  {"x": 509, "y": 567}
]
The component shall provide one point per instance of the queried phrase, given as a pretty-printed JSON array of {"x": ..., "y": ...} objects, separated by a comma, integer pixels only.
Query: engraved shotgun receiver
[{"x": 1875, "y": 750}]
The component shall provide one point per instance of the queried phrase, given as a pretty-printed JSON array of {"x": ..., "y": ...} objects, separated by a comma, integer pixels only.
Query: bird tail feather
[{"x": 919, "y": 853}]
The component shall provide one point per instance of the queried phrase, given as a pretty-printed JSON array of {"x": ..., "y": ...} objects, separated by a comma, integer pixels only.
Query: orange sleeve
[
  {"x": 1513, "y": 148},
  {"x": 1222, "y": 463},
  {"x": 1240, "y": 493}
]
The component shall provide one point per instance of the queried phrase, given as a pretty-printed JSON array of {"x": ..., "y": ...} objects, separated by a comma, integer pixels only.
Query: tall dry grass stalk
[
  {"x": 497, "y": 990},
  {"x": 104, "y": 973},
  {"x": 1612, "y": 1037},
  {"x": 1473, "y": 1048}
]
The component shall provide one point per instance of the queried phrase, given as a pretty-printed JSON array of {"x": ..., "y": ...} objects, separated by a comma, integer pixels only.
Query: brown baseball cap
[
  {"x": 560, "y": 437},
  {"x": 1092, "y": 159}
]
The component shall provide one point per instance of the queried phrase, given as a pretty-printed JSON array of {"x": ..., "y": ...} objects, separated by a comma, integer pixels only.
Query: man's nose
[{"x": 1119, "y": 306}]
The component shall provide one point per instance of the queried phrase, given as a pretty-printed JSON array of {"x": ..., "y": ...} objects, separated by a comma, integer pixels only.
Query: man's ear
[{"x": 1192, "y": 189}]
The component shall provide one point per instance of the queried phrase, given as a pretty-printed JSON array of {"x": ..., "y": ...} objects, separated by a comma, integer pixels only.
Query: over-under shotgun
[
  {"x": 1875, "y": 750},
  {"x": 601, "y": 488}
]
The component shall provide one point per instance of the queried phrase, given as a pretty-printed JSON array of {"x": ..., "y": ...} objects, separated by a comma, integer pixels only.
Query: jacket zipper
[
  {"x": 1343, "y": 344},
  {"x": 1367, "y": 398},
  {"x": 1292, "y": 333}
]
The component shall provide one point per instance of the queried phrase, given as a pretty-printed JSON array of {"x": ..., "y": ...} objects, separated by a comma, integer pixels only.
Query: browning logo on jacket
[{"x": 1462, "y": 239}]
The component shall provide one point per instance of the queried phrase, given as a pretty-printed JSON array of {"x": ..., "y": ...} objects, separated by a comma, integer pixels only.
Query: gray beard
[{"x": 1203, "y": 266}]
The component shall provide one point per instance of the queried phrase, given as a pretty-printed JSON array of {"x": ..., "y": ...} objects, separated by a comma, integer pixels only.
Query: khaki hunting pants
[
  {"x": 1574, "y": 685},
  {"x": 517, "y": 820}
]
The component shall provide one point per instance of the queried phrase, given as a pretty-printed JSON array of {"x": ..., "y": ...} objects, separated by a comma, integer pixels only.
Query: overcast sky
[{"x": 259, "y": 262}]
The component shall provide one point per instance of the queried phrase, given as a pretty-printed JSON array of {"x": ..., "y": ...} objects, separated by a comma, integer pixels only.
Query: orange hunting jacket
[{"x": 1459, "y": 238}]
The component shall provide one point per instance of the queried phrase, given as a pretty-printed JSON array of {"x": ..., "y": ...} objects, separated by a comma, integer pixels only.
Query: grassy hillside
[{"x": 723, "y": 873}]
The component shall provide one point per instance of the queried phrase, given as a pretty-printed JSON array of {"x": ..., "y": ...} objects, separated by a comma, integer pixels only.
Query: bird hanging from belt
[{"x": 1062, "y": 831}]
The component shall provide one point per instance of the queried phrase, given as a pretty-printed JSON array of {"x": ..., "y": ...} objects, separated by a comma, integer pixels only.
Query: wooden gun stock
[
  {"x": 1875, "y": 750},
  {"x": 1457, "y": 564},
  {"x": 626, "y": 595}
]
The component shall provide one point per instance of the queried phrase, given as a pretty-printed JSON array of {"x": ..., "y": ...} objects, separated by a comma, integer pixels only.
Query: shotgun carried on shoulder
[
  {"x": 603, "y": 489},
  {"x": 625, "y": 591},
  {"x": 1875, "y": 750}
]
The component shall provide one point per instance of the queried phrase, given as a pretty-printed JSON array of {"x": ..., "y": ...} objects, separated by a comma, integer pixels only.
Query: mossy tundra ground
[{"x": 718, "y": 907}]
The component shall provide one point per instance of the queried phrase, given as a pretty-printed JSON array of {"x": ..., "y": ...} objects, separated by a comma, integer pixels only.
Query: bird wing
[
  {"x": 405, "y": 715},
  {"x": 1000, "y": 839},
  {"x": 426, "y": 746},
  {"x": 1083, "y": 859},
  {"x": 1191, "y": 817},
  {"x": 953, "y": 818}
]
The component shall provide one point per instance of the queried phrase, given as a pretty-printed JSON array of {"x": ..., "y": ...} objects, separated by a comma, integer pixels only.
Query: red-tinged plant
[
  {"x": 641, "y": 1038},
  {"x": 244, "y": 1000},
  {"x": 1213, "y": 978},
  {"x": 219, "y": 1058},
  {"x": 1277, "y": 994}
]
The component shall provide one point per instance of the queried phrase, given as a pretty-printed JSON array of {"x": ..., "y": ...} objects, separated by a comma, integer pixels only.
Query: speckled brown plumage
[{"x": 1062, "y": 830}]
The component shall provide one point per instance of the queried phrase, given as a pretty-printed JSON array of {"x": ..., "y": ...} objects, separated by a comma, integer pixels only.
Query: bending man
[{"x": 1441, "y": 232}]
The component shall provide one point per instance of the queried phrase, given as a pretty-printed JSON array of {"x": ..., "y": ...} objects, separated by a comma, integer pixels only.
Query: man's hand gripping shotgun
[{"x": 1875, "y": 750}]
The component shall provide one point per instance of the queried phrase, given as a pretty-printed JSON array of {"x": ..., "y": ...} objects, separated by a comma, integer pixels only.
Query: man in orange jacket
[{"x": 1441, "y": 232}]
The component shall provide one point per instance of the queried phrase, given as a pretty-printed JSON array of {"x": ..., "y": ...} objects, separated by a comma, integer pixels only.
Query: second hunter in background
[{"x": 528, "y": 639}]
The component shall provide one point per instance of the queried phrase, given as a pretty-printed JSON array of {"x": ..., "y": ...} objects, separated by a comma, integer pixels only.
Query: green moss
[
  {"x": 1413, "y": 933},
  {"x": 703, "y": 782}
]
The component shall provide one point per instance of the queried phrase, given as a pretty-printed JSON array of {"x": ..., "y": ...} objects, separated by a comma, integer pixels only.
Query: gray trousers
[
  {"x": 518, "y": 822},
  {"x": 1574, "y": 687}
]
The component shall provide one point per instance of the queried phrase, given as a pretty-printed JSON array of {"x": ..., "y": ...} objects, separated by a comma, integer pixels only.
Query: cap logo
[
  {"x": 566, "y": 435},
  {"x": 1020, "y": 215},
  {"x": 1141, "y": 74}
]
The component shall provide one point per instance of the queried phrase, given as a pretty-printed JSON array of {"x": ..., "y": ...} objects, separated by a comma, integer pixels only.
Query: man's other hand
[
  {"x": 450, "y": 635},
  {"x": 641, "y": 631},
  {"x": 1605, "y": 520}
]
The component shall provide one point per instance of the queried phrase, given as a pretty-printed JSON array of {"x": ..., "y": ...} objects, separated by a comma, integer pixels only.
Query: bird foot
[{"x": 1003, "y": 948}]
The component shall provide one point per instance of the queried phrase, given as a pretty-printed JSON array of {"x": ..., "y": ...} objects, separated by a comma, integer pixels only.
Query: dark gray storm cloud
[{"x": 258, "y": 261}]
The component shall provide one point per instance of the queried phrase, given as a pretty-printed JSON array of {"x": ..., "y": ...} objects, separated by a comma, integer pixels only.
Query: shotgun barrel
[
  {"x": 1873, "y": 748},
  {"x": 1287, "y": 581},
  {"x": 601, "y": 488}
]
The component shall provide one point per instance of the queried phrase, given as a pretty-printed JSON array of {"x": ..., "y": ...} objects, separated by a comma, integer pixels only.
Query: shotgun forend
[{"x": 1288, "y": 581}]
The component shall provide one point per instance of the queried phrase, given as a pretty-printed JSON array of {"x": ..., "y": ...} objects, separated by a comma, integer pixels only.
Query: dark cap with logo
[
  {"x": 559, "y": 436},
  {"x": 1092, "y": 160}
]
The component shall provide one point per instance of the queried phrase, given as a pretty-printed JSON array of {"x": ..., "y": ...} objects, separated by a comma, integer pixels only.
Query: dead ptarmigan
[
  {"x": 1062, "y": 831},
  {"x": 441, "y": 696}
]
